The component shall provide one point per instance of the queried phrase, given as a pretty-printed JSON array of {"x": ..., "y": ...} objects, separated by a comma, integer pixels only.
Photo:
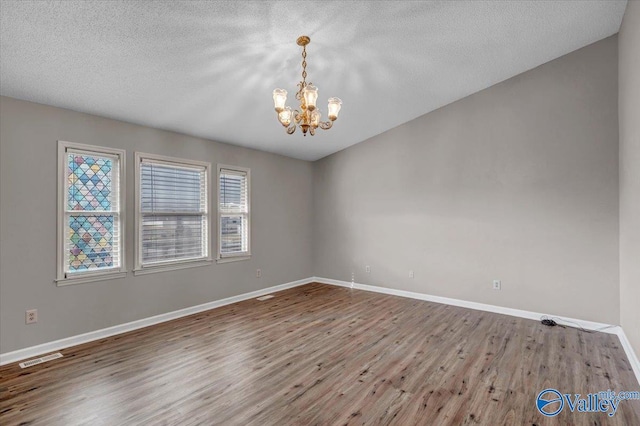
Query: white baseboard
[
  {"x": 587, "y": 325},
  {"x": 631, "y": 355},
  {"x": 56, "y": 345}
]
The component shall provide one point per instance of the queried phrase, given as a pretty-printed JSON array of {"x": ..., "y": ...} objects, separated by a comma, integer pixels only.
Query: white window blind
[
  {"x": 173, "y": 218},
  {"x": 233, "y": 212}
]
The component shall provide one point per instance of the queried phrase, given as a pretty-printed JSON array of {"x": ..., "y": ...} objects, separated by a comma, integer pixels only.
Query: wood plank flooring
[{"x": 323, "y": 355}]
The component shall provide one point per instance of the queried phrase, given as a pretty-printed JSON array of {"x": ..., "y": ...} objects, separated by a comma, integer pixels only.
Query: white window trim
[
  {"x": 92, "y": 276},
  {"x": 234, "y": 257},
  {"x": 177, "y": 264}
]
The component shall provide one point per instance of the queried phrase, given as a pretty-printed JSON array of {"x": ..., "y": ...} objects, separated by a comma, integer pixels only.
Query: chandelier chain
[{"x": 304, "y": 66}]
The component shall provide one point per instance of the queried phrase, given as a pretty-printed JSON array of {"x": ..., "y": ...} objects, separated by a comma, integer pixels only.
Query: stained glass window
[
  {"x": 91, "y": 242},
  {"x": 92, "y": 215},
  {"x": 89, "y": 182}
]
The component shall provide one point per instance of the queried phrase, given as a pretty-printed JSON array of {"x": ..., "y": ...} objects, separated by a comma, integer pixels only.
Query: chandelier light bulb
[
  {"x": 334, "y": 108},
  {"x": 279, "y": 99},
  {"x": 315, "y": 117},
  {"x": 310, "y": 94},
  {"x": 285, "y": 116}
]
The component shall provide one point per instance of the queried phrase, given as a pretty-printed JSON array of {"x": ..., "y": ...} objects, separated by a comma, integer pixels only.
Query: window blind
[
  {"x": 173, "y": 208},
  {"x": 233, "y": 212}
]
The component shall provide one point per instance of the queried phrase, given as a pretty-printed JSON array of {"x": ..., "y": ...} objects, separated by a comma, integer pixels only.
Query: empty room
[{"x": 320, "y": 213}]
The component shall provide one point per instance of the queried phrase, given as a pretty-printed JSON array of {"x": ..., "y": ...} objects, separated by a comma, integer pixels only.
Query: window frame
[
  {"x": 141, "y": 269},
  {"x": 90, "y": 276},
  {"x": 245, "y": 255}
]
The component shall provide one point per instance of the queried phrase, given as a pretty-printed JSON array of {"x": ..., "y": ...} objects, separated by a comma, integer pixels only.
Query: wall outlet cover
[{"x": 31, "y": 316}]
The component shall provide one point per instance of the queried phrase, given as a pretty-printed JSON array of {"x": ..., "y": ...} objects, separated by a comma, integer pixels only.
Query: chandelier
[{"x": 308, "y": 118}]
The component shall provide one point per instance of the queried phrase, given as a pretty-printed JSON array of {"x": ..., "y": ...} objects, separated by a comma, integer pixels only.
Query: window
[
  {"x": 172, "y": 213},
  {"x": 233, "y": 213},
  {"x": 90, "y": 202}
]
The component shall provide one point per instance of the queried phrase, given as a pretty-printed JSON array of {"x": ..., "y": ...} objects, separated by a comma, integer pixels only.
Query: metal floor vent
[
  {"x": 40, "y": 360},
  {"x": 263, "y": 298}
]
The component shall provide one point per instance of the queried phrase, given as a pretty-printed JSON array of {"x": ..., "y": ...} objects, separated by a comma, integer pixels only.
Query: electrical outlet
[
  {"x": 31, "y": 316},
  {"x": 258, "y": 273},
  {"x": 497, "y": 285},
  {"x": 367, "y": 269},
  {"x": 411, "y": 275}
]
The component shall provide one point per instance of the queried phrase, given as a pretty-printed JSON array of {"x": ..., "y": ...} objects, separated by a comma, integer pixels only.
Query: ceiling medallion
[{"x": 308, "y": 117}]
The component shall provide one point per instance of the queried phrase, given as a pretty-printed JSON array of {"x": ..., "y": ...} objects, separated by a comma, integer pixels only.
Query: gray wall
[
  {"x": 518, "y": 182},
  {"x": 281, "y": 232},
  {"x": 629, "y": 105}
]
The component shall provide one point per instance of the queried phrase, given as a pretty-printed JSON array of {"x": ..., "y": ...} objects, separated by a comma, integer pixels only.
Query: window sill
[
  {"x": 171, "y": 267},
  {"x": 91, "y": 278},
  {"x": 232, "y": 259}
]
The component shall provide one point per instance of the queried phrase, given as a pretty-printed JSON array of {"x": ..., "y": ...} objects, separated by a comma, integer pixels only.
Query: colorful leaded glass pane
[
  {"x": 90, "y": 242},
  {"x": 89, "y": 179}
]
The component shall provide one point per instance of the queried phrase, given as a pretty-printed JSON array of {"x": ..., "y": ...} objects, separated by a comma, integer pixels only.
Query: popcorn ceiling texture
[{"x": 208, "y": 68}]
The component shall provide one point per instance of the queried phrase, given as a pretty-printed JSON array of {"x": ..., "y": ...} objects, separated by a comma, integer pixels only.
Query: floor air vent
[
  {"x": 263, "y": 298},
  {"x": 40, "y": 360}
]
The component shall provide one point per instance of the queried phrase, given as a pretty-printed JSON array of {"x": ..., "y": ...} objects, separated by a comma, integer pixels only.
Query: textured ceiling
[{"x": 207, "y": 68}]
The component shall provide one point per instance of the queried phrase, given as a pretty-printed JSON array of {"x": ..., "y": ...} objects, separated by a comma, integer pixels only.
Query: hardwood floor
[{"x": 319, "y": 354}]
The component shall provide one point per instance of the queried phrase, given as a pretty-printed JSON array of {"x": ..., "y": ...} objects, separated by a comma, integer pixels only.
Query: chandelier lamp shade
[{"x": 308, "y": 117}]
